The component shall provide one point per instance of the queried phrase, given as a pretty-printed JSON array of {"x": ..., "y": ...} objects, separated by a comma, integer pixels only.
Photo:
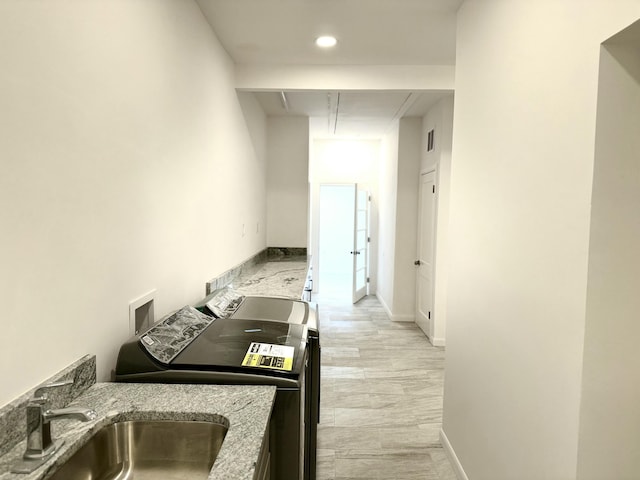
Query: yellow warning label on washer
[{"x": 267, "y": 355}]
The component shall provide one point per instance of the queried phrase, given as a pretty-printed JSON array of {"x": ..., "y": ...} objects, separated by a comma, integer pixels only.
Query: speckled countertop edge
[{"x": 246, "y": 410}]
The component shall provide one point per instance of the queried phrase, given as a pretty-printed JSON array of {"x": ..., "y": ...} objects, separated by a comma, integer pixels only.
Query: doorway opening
[{"x": 335, "y": 272}]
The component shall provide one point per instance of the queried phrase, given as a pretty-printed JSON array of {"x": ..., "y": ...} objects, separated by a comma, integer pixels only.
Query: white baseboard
[
  {"x": 403, "y": 318},
  {"x": 384, "y": 305},
  {"x": 392, "y": 317},
  {"x": 453, "y": 458},
  {"x": 437, "y": 341}
]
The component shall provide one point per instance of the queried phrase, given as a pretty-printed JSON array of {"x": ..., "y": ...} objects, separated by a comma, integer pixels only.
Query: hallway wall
[
  {"x": 398, "y": 200},
  {"x": 129, "y": 163},
  {"x": 440, "y": 119},
  {"x": 387, "y": 200},
  {"x": 406, "y": 221},
  {"x": 609, "y": 442},
  {"x": 287, "y": 181},
  {"x": 523, "y": 153}
]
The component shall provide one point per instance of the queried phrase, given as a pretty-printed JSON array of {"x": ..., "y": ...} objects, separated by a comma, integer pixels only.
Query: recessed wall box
[{"x": 141, "y": 315}]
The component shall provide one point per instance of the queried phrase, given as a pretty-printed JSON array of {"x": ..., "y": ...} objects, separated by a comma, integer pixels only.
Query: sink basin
[{"x": 146, "y": 450}]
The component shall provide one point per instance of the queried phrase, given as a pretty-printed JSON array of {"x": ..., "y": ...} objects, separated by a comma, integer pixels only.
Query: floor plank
[{"x": 381, "y": 401}]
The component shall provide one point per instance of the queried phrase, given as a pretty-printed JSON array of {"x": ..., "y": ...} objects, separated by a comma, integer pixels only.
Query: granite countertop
[
  {"x": 244, "y": 409},
  {"x": 284, "y": 277}
]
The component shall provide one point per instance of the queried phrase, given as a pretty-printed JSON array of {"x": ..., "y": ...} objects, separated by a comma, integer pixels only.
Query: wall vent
[{"x": 430, "y": 140}]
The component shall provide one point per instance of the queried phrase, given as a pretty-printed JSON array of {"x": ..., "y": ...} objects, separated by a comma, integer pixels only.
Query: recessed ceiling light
[{"x": 326, "y": 41}]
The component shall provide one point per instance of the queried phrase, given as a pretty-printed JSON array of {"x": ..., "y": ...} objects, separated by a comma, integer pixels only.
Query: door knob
[{"x": 417, "y": 262}]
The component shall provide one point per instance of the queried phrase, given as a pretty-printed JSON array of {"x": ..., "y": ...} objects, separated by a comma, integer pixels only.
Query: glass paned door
[{"x": 361, "y": 245}]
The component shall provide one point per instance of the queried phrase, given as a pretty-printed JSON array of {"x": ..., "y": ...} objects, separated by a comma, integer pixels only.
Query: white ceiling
[
  {"x": 351, "y": 114},
  {"x": 369, "y": 32}
]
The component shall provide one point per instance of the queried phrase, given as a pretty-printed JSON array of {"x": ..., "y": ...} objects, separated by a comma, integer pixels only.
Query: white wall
[
  {"x": 387, "y": 201},
  {"x": 523, "y": 150},
  {"x": 406, "y": 223},
  {"x": 398, "y": 217},
  {"x": 287, "y": 181},
  {"x": 123, "y": 141},
  {"x": 610, "y": 413},
  {"x": 342, "y": 161},
  {"x": 440, "y": 119}
]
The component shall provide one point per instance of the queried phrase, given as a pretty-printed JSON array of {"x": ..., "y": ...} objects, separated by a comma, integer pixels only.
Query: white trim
[
  {"x": 403, "y": 318},
  {"x": 384, "y": 305},
  {"x": 392, "y": 316},
  {"x": 435, "y": 341},
  {"x": 453, "y": 458}
]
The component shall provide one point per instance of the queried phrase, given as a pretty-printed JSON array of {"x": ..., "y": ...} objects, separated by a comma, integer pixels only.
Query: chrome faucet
[{"x": 40, "y": 446}]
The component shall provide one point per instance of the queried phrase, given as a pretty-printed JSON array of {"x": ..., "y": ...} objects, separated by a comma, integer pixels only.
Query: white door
[
  {"x": 424, "y": 262},
  {"x": 335, "y": 239},
  {"x": 360, "y": 250}
]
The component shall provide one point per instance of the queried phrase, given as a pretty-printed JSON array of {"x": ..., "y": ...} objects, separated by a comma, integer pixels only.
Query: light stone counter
[
  {"x": 281, "y": 273},
  {"x": 244, "y": 409},
  {"x": 280, "y": 278}
]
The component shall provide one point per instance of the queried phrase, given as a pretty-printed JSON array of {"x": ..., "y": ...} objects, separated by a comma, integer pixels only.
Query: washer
[
  {"x": 191, "y": 347},
  {"x": 228, "y": 303}
]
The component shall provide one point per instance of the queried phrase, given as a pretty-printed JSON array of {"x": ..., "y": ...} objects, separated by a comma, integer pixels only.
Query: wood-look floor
[{"x": 381, "y": 400}]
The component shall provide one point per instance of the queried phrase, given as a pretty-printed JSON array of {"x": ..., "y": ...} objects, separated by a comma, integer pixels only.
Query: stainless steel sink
[{"x": 146, "y": 450}]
